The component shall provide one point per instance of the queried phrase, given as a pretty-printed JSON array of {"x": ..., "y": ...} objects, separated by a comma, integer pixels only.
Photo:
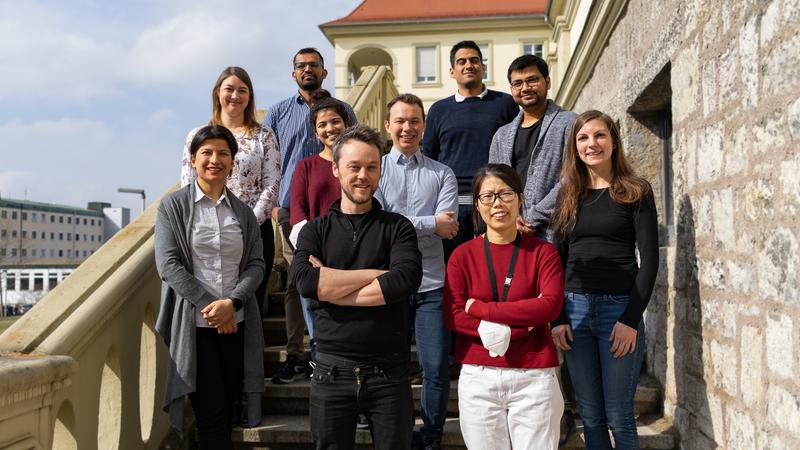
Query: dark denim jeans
[
  {"x": 342, "y": 388},
  {"x": 466, "y": 231},
  {"x": 433, "y": 346},
  {"x": 605, "y": 385}
]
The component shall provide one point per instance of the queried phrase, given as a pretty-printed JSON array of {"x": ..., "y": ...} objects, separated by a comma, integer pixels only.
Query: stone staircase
[{"x": 285, "y": 423}]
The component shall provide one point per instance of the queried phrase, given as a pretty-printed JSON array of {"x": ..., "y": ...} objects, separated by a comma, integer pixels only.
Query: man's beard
[{"x": 310, "y": 85}]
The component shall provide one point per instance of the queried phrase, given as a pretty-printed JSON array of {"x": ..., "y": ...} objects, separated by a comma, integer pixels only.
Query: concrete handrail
[
  {"x": 370, "y": 94},
  {"x": 91, "y": 340}
]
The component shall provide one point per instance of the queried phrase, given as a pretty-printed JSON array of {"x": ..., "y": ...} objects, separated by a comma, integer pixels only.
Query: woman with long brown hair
[
  {"x": 256, "y": 175},
  {"x": 605, "y": 213}
]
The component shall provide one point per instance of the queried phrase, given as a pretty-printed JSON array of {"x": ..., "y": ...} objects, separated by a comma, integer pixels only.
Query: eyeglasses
[
  {"x": 488, "y": 198},
  {"x": 530, "y": 81},
  {"x": 303, "y": 65}
]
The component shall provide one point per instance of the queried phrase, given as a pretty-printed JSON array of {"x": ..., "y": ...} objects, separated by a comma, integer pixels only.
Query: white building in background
[
  {"x": 414, "y": 39},
  {"x": 42, "y": 243}
]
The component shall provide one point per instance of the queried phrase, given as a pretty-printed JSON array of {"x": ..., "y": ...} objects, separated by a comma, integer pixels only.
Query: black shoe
[
  {"x": 361, "y": 422},
  {"x": 567, "y": 428},
  {"x": 434, "y": 445},
  {"x": 293, "y": 369}
]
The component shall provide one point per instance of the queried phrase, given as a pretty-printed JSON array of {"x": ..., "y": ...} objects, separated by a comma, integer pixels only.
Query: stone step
[
  {"x": 278, "y": 432},
  {"x": 293, "y": 398}
]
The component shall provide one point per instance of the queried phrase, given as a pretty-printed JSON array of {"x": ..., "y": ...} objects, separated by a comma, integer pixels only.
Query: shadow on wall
[{"x": 692, "y": 412}]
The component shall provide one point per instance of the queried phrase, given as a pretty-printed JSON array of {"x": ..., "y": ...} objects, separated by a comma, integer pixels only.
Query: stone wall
[{"x": 722, "y": 336}]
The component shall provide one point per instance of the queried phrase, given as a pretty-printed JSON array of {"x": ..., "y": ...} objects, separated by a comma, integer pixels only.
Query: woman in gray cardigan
[{"x": 209, "y": 256}]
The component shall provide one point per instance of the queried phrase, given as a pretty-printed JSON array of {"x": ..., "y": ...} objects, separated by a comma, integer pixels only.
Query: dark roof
[
  {"x": 421, "y": 10},
  {"x": 47, "y": 207}
]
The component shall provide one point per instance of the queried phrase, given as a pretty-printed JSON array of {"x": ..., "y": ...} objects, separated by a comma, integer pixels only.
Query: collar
[
  {"x": 337, "y": 207},
  {"x": 199, "y": 195},
  {"x": 396, "y": 154},
  {"x": 460, "y": 98}
]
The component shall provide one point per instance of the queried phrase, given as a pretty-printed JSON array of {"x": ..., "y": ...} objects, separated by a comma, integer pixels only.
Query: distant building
[
  {"x": 415, "y": 40},
  {"x": 42, "y": 243}
]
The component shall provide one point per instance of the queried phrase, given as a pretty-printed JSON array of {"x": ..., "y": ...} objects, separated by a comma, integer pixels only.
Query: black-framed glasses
[
  {"x": 530, "y": 81},
  {"x": 488, "y": 198},
  {"x": 304, "y": 64}
]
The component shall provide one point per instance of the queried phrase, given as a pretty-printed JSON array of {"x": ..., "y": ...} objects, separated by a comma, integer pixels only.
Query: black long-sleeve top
[
  {"x": 373, "y": 240},
  {"x": 599, "y": 256}
]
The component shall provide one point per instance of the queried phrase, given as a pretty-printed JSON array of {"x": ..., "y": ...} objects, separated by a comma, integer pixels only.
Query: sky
[{"x": 97, "y": 95}]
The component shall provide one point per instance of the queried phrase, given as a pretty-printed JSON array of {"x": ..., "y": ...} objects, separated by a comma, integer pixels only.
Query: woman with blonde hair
[{"x": 604, "y": 214}]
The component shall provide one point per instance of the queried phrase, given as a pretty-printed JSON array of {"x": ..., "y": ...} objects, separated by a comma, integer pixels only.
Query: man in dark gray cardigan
[{"x": 533, "y": 143}]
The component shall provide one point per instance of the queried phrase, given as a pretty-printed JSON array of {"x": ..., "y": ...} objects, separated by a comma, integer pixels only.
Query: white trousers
[{"x": 500, "y": 408}]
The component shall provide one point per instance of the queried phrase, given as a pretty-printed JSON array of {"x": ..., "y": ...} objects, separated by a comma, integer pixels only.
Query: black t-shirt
[{"x": 524, "y": 142}]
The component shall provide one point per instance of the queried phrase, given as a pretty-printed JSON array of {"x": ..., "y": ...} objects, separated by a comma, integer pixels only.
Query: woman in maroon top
[
  {"x": 501, "y": 291},
  {"x": 314, "y": 188}
]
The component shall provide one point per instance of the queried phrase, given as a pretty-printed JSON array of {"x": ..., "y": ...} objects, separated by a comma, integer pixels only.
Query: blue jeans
[
  {"x": 605, "y": 386},
  {"x": 309, "y": 317},
  {"x": 342, "y": 388},
  {"x": 433, "y": 348}
]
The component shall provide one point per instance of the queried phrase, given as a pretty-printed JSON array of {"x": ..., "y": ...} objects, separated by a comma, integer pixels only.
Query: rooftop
[
  {"x": 47, "y": 207},
  {"x": 416, "y": 10}
]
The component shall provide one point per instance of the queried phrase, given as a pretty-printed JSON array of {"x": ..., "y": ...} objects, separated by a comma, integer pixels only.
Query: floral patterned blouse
[{"x": 256, "y": 176}]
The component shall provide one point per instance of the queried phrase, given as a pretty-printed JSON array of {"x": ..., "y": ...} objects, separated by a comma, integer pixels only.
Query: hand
[
  {"x": 315, "y": 262},
  {"x": 524, "y": 227},
  {"x": 562, "y": 336},
  {"x": 218, "y": 312},
  {"x": 275, "y": 213},
  {"x": 624, "y": 340},
  {"x": 228, "y": 327},
  {"x": 469, "y": 303},
  {"x": 446, "y": 225}
]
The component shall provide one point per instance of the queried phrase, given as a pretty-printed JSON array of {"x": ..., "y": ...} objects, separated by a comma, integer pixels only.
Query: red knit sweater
[
  {"x": 314, "y": 189},
  {"x": 534, "y": 299}
]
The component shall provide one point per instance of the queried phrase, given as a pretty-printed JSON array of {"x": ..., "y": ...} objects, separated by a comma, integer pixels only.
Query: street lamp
[{"x": 133, "y": 191}]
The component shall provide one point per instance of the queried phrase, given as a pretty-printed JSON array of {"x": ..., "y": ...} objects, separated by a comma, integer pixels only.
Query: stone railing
[
  {"x": 369, "y": 96},
  {"x": 84, "y": 368}
]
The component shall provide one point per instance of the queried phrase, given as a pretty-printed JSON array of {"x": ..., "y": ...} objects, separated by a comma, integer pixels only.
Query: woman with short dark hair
[
  {"x": 605, "y": 213},
  {"x": 501, "y": 291},
  {"x": 208, "y": 253}
]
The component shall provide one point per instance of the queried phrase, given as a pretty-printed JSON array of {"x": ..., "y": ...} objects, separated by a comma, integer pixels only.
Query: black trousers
[
  {"x": 220, "y": 373},
  {"x": 342, "y": 388},
  {"x": 268, "y": 238}
]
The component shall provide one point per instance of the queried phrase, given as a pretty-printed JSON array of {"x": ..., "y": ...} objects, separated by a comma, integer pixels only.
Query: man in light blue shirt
[
  {"x": 296, "y": 139},
  {"x": 426, "y": 192}
]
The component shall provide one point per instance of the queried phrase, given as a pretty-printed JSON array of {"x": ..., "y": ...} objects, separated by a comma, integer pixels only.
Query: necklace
[{"x": 596, "y": 197}]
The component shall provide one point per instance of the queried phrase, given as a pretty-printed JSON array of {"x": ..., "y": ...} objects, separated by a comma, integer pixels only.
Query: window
[
  {"x": 69, "y": 253},
  {"x": 84, "y": 220},
  {"x": 69, "y": 236},
  {"x": 13, "y": 252},
  {"x": 530, "y": 48},
  {"x": 52, "y": 253},
  {"x": 3, "y": 233},
  {"x": 99, "y": 238},
  {"x": 24, "y": 216},
  {"x": 43, "y": 253},
  {"x": 60, "y": 219},
  {"x": 52, "y": 219},
  {"x": 24, "y": 252},
  {"x": 3, "y": 251},
  {"x": 60, "y": 236},
  {"x": 84, "y": 253},
  {"x": 84, "y": 237},
  {"x": 60, "y": 253},
  {"x": 13, "y": 234},
  {"x": 43, "y": 218},
  {"x": 13, "y": 215},
  {"x": 77, "y": 237},
  {"x": 485, "y": 61},
  {"x": 24, "y": 234},
  {"x": 92, "y": 222},
  {"x": 426, "y": 65},
  {"x": 52, "y": 235},
  {"x": 44, "y": 235},
  {"x": 33, "y": 217},
  {"x": 69, "y": 220},
  {"x": 92, "y": 238},
  {"x": 3, "y": 214},
  {"x": 33, "y": 234}
]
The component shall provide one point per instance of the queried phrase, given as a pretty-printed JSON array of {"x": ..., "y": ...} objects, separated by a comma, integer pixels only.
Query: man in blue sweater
[{"x": 460, "y": 129}]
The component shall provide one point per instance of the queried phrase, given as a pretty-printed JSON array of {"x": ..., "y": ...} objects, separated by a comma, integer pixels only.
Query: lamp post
[{"x": 133, "y": 191}]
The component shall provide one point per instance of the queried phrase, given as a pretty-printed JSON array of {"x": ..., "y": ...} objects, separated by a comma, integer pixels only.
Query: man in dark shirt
[
  {"x": 359, "y": 265},
  {"x": 459, "y": 129},
  {"x": 533, "y": 144}
]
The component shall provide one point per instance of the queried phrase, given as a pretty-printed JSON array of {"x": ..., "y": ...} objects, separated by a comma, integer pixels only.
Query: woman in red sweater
[
  {"x": 501, "y": 291},
  {"x": 314, "y": 188}
]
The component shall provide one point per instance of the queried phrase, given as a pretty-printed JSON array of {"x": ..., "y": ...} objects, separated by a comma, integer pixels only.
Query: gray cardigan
[
  {"x": 182, "y": 294},
  {"x": 541, "y": 187}
]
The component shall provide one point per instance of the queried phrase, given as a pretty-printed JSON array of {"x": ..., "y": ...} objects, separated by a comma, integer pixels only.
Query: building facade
[{"x": 415, "y": 41}]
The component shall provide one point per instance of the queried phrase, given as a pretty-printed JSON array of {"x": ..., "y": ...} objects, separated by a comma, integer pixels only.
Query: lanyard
[{"x": 509, "y": 276}]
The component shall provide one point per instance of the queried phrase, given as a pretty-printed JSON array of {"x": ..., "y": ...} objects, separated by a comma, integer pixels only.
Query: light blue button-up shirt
[
  {"x": 288, "y": 119},
  {"x": 419, "y": 188}
]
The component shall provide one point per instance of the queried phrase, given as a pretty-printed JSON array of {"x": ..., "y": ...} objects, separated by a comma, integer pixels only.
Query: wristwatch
[{"x": 237, "y": 304}]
